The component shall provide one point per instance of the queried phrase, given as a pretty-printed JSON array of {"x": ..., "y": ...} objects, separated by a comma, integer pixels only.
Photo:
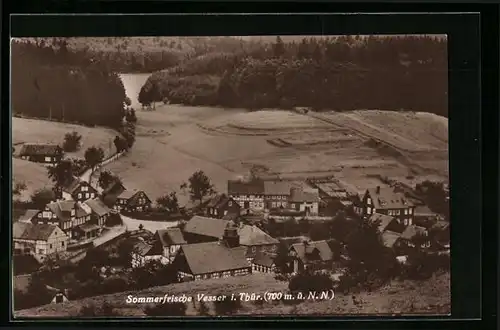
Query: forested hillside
[
  {"x": 50, "y": 81},
  {"x": 344, "y": 73}
]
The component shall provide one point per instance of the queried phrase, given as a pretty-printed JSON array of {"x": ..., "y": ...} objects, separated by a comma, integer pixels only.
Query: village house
[
  {"x": 220, "y": 206},
  {"x": 132, "y": 201},
  {"x": 387, "y": 201},
  {"x": 424, "y": 214},
  {"x": 111, "y": 192},
  {"x": 49, "y": 154},
  {"x": 67, "y": 215},
  {"x": 386, "y": 223},
  {"x": 249, "y": 195},
  {"x": 78, "y": 190},
  {"x": 407, "y": 237},
  {"x": 276, "y": 194},
  {"x": 390, "y": 238},
  {"x": 256, "y": 241},
  {"x": 304, "y": 201},
  {"x": 314, "y": 255},
  {"x": 38, "y": 239},
  {"x": 99, "y": 211},
  {"x": 263, "y": 263},
  {"x": 220, "y": 259},
  {"x": 330, "y": 190},
  {"x": 167, "y": 242},
  {"x": 142, "y": 253},
  {"x": 201, "y": 229}
]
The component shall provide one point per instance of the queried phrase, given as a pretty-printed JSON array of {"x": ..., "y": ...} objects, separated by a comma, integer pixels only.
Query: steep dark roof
[
  {"x": 34, "y": 232},
  {"x": 32, "y": 149},
  {"x": 385, "y": 221},
  {"x": 245, "y": 188},
  {"x": 97, "y": 206},
  {"x": 263, "y": 259},
  {"x": 302, "y": 249},
  {"x": 141, "y": 248},
  {"x": 289, "y": 241},
  {"x": 387, "y": 198},
  {"x": 219, "y": 201},
  {"x": 170, "y": 236},
  {"x": 62, "y": 209},
  {"x": 273, "y": 188},
  {"x": 389, "y": 238},
  {"x": 205, "y": 258},
  {"x": 412, "y": 231},
  {"x": 210, "y": 227},
  {"x": 423, "y": 211},
  {"x": 127, "y": 194}
]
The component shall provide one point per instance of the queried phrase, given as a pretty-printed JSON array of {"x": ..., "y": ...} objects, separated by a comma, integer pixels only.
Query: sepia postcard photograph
[{"x": 230, "y": 176}]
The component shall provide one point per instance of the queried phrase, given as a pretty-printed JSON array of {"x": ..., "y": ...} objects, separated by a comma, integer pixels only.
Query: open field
[
  {"x": 43, "y": 131},
  {"x": 175, "y": 141},
  {"x": 32, "y": 174},
  {"x": 396, "y": 298}
]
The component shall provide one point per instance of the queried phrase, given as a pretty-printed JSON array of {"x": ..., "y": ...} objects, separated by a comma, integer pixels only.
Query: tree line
[
  {"x": 51, "y": 81},
  {"x": 344, "y": 73}
]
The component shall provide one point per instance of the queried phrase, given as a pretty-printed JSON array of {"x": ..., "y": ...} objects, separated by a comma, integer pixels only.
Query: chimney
[
  {"x": 231, "y": 237},
  {"x": 378, "y": 189}
]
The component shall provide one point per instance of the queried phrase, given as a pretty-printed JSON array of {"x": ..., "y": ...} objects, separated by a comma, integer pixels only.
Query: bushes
[
  {"x": 71, "y": 141},
  {"x": 310, "y": 282},
  {"x": 167, "y": 309},
  {"x": 226, "y": 306}
]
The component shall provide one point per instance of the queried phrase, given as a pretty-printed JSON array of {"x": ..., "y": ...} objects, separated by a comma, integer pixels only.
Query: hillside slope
[{"x": 430, "y": 296}]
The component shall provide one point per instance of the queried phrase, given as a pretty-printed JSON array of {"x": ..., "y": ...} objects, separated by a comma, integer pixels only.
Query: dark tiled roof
[
  {"x": 210, "y": 227},
  {"x": 302, "y": 249},
  {"x": 97, "y": 206},
  {"x": 32, "y": 149},
  {"x": 218, "y": 200},
  {"x": 389, "y": 238},
  {"x": 263, "y": 259},
  {"x": 170, "y": 236},
  {"x": 275, "y": 188},
  {"x": 81, "y": 211},
  {"x": 387, "y": 198},
  {"x": 385, "y": 221},
  {"x": 289, "y": 241},
  {"x": 253, "y": 236},
  {"x": 423, "y": 210},
  {"x": 142, "y": 248},
  {"x": 87, "y": 227},
  {"x": 127, "y": 194},
  {"x": 245, "y": 188},
  {"x": 412, "y": 231},
  {"x": 34, "y": 232},
  {"x": 301, "y": 196},
  {"x": 205, "y": 258},
  {"x": 62, "y": 209}
]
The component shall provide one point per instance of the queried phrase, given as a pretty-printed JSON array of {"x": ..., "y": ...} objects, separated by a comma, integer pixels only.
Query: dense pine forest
[{"x": 342, "y": 73}]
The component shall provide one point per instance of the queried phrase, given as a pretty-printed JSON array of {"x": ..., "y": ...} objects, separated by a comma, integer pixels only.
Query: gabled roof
[
  {"x": 289, "y": 241},
  {"x": 301, "y": 196},
  {"x": 32, "y": 149},
  {"x": 82, "y": 211},
  {"x": 423, "y": 211},
  {"x": 441, "y": 224},
  {"x": 389, "y": 238},
  {"x": 28, "y": 215},
  {"x": 245, "y": 188},
  {"x": 253, "y": 236},
  {"x": 127, "y": 194},
  {"x": 218, "y": 201},
  {"x": 33, "y": 232},
  {"x": 273, "y": 188},
  {"x": 303, "y": 249},
  {"x": 263, "y": 259},
  {"x": 204, "y": 258},
  {"x": 97, "y": 206},
  {"x": 385, "y": 221},
  {"x": 387, "y": 198},
  {"x": 210, "y": 227},
  {"x": 88, "y": 227},
  {"x": 142, "y": 248},
  {"x": 71, "y": 185},
  {"x": 170, "y": 236},
  {"x": 412, "y": 231},
  {"x": 62, "y": 209}
]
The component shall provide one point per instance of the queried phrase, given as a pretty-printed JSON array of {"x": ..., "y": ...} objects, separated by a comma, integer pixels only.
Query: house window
[
  {"x": 406, "y": 222},
  {"x": 410, "y": 211},
  {"x": 369, "y": 210},
  {"x": 406, "y": 211},
  {"x": 87, "y": 195},
  {"x": 225, "y": 212},
  {"x": 292, "y": 205},
  {"x": 54, "y": 216},
  {"x": 48, "y": 159},
  {"x": 79, "y": 195},
  {"x": 92, "y": 195},
  {"x": 273, "y": 204},
  {"x": 398, "y": 212},
  {"x": 409, "y": 222},
  {"x": 369, "y": 201},
  {"x": 39, "y": 215}
]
